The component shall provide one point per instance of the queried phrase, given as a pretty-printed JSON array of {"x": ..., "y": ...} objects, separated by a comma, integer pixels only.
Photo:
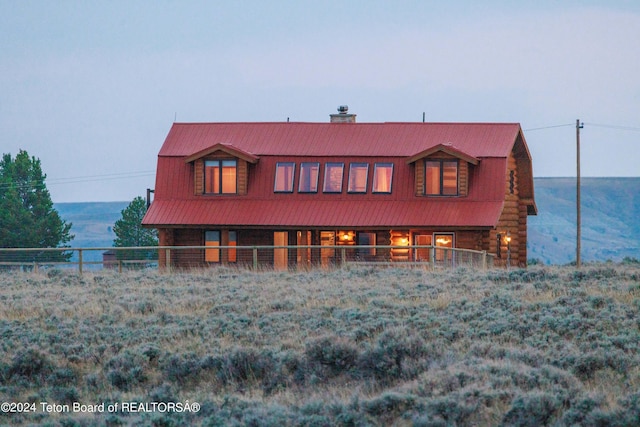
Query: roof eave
[
  {"x": 225, "y": 148},
  {"x": 444, "y": 148}
]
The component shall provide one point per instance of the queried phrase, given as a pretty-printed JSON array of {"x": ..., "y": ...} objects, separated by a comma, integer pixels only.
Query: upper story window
[
  {"x": 284, "y": 177},
  {"x": 382, "y": 177},
  {"x": 441, "y": 177},
  {"x": 333, "y": 177},
  {"x": 358, "y": 173},
  {"x": 309, "y": 178},
  {"x": 220, "y": 176}
]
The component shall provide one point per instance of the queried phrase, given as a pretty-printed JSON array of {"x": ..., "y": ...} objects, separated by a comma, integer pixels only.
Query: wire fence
[{"x": 297, "y": 257}]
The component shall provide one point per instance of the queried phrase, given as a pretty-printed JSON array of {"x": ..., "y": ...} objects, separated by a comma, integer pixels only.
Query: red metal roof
[
  {"x": 176, "y": 204},
  {"x": 323, "y": 213},
  {"x": 342, "y": 139}
]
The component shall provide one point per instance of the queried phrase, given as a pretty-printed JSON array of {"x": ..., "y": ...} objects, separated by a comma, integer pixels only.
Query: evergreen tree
[
  {"x": 27, "y": 216},
  {"x": 130, "y": 232}
]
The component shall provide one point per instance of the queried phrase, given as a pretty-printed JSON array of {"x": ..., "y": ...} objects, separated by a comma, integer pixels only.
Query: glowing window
[
  {"x": 212, "y": 239},
  {"x": 309, "y": 177},
  {"x": 358, "y": 173},
  {"x": 284, "y": 177},
  {"x": 220, "y": 176},
  {"x": 382, "y": 177},
  {"x": 441, "y": 177},
  {"x": 333, "y": 177},
  {"x": 233, "y": 241}
]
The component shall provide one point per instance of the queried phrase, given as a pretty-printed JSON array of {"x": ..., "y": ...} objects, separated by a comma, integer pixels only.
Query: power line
[
  {"x": 105, "y": 177},
  {"x": 549, "y": 127},
  {"x": 630, "y": 128},
  {"x": 600, "y": 125},
  {"x": 79, "y": 179}
]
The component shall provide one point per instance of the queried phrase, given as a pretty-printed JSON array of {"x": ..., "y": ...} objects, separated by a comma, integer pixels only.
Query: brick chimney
[{"x": 343, "y": 115}]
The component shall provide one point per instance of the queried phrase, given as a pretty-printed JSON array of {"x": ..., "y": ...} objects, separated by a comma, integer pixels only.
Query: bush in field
[
  {"x": 330, "y": 356},
  {"x": 64, "y": 395},
  {"x": 532, "y": 410},
  {"x": 30, "y": 366},
  {"x": 126, "y": 370},
  {"x": 396, "y": 355}
]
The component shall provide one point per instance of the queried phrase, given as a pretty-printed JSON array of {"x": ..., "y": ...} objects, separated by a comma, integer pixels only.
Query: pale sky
[{"x": 92, "y": 87}]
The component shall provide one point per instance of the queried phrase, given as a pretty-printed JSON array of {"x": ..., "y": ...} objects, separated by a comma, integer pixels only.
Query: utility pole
[{"x": 578, "y": 216}]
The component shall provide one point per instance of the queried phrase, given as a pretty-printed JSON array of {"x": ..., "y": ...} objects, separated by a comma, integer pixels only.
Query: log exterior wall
[{"x": 512, "y": 222}]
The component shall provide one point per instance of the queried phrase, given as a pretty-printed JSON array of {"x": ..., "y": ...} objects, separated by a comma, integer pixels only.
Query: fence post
[
  {"x": 80, "y": 262},
  {"x": 432, "y": 258},
  {"x": 484, "y": 260},
  {"x": 255, "y": 258},
  {"x": 168, "y": 260},
  {"x": 119, "y": 266},
  {"x": 343, "y": 256}
]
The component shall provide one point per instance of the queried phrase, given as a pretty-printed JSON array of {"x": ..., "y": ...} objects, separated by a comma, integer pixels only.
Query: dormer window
[
  {"x": 309, "y": 173},
  {"x": 284, "y": 177},
  {"x": 358, "y": 173},
  {"x": 382, "y": 177},
  {"x": 333, "y": 177},
  {"x": 220, "y": 176},
  {"x": 441, "y": 177}
]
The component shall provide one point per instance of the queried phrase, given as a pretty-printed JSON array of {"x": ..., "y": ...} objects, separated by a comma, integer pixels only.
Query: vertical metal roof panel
[{"x": 342, "y": 139}]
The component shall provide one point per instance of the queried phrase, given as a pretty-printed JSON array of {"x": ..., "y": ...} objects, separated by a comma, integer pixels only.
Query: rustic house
[{"x": 446, "y": 185}]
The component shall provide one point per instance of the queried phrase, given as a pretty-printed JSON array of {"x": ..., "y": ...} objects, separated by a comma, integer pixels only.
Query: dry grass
[{"x": 357, "y": 346}]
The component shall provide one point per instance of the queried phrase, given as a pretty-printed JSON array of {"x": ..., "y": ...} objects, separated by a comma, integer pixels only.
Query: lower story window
[
  {"x": 213, "y": 240},
  {"x": 367, "y": 239},
  {"x": 233, "y": 241}
]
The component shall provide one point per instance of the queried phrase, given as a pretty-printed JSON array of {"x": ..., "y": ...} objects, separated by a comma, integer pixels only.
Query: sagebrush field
[{"x": 352, "y": 347}]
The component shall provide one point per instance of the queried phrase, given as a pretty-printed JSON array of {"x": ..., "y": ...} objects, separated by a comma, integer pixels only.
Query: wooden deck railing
[{"x": 296, "y": 257}]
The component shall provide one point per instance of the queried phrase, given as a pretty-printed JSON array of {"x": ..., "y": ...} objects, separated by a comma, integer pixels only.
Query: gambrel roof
[
  {"x": 342, "y": 139},
  {"x": 485, "y": 146}
]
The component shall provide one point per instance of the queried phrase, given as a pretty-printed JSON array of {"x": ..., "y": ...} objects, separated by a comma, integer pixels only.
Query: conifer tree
[
  {"x": 130, "y": 232},
  {"x": 27, "y": 216}
]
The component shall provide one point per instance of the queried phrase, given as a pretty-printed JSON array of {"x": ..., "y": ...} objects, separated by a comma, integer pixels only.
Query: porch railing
[{"x": 296, "y": 257}]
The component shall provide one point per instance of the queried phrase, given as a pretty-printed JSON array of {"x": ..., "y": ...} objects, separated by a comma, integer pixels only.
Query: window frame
[
  {"x": 353, "y": 178},
  {"x": 313, "y": 186},
  {"x": 441, "y": 177},
  {"x": 326, "y": 174},
  {"x": 213, "y": 240},
  {"x": 232, "y": 254},
  {"x": 220, "y": 184},
  {"x": 375, "y": 176},
  {"x": 371, "y": 238},
  {"x": 212, "y": 255},
  {"x": 288, "y": 185}
]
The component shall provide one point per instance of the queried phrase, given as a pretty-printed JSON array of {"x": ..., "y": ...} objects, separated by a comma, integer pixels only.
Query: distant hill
[
  {"x": 610, "y": 220},
  {"x": 92, "y": 224}
]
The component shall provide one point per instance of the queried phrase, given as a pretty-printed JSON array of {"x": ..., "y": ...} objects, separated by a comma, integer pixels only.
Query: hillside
[
  {"x": 610, "y": 220},
  {"x": 92, "y": 224}
]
